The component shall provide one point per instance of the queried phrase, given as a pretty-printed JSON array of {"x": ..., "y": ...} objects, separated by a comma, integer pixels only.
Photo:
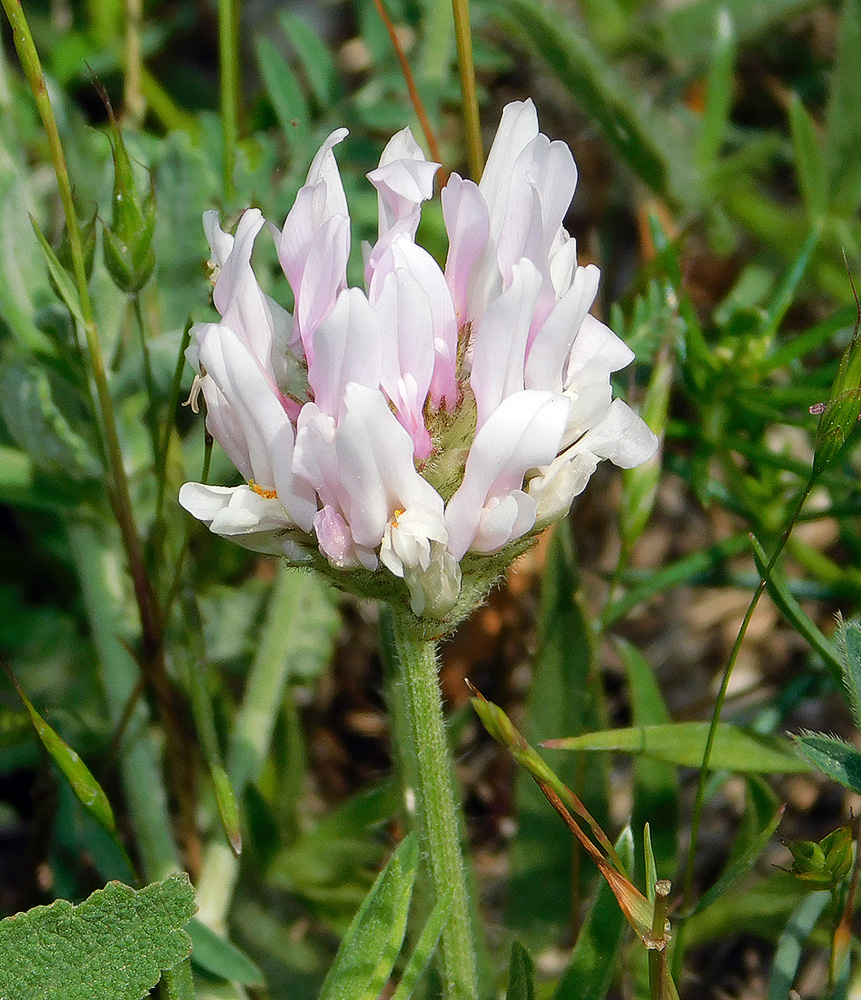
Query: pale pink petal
[
  {"x": 524, "y": 432},
  {"x": 499, "y": 342},
  {"x": 468, "y": 225},
  {"x": 347, "y": 348},
  {"x": 238, "y": 513},
  {"x": 404, "y": 179},
  {"x": 594, "y": 339},
  {"x": 375, "y": 459},
  {"x": 548, "y": 354},
  {"x": 258, "y": 414}
]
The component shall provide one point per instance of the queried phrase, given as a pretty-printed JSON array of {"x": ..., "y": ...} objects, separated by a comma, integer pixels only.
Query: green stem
[
  {"x": 715, "y": 720},
  {"x": 119, "y": 487},
  {"x": 463, "y": 36},
  {"x": 228, "y": 53},
  {"x": 436, "y": 805}
]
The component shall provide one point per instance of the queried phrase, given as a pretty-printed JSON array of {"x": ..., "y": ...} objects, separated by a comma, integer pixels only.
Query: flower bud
[
  {"x": 840, "y": 414},
  {"x": 129, "y": 252},
  {"x": 826, "y": 864}
]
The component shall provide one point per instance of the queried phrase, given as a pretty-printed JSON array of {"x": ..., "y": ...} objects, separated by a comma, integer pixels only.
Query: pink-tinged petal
[
  {"x": 408, "y": 351},
  {"x": 315, "y": 462},
  {"x": 261, "y": 418},
  {"x": 324, "y": 168},
  {"x": 524, "y": 432},
  {"x": 504, "y": 520},
  {"x": 323, "y": 277},
  {"x": 347, "y": 348},
  {"x": 404, "y": 179},
  {"x": 333, "y": 535},
  {"x": 499, "y": 342},
  {"x": 594, "y": 339},
  {"x": 443, "y": 329},
  {"x": 548, "y": 354},
  {"x": 468, "y": 225},
  {"x": 517, "y": 128},
  {"x": 237, "y": 264},
  {"x": 238, "y": 513},
  {"x": 375, "y": 459}
]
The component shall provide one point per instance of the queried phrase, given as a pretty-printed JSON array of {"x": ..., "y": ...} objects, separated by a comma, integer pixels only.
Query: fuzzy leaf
[
  {"x": 113, "y": 946},
  {"x": 368, "y": 952},
  {"x": 849, "y": 641},
  {"x": 839, "y": 760},
  {"x": 521, "y": 975}
]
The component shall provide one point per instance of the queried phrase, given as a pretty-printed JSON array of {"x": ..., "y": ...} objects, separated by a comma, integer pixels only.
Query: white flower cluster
[{"x": 434, "y": 413}]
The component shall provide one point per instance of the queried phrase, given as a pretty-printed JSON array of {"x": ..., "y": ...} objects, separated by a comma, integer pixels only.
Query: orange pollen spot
[
  {"x": 396, "y": 515},
  {"x": 268, "y": 494}
]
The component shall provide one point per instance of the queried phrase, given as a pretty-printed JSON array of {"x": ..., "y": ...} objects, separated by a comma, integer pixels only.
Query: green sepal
[{"x": 128, "y": 241}]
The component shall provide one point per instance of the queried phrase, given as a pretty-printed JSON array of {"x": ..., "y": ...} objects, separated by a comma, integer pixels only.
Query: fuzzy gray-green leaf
[{"x": 113, "y": 946}]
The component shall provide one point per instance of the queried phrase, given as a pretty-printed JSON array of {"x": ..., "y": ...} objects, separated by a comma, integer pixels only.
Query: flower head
[{"x": 408, "y": 437}]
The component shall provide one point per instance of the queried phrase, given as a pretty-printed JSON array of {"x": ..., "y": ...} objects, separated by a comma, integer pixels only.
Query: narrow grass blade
[
  {"x": 795, "y": 614},
  {"x": 424, "y": 950},
  {"x": 368, "y": 952},
  {"x": 565, "y": 696},
  {"x": 790, "y": 944},
  {"x": 682, "y": 743},
  {"x": 521, "y": 974},
  {"x": 849, "y": 642},
  {"x": 656, "y": 783},
  {"x": 741, "y": 866}
]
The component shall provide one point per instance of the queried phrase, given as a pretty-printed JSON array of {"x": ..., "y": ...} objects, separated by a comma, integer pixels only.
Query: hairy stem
[{"x": 436, "y": 805}]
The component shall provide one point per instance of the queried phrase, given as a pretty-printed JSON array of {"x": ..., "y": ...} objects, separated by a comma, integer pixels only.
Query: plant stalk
[
  {"x": 436, "y": 805},
  {"x": 715, "y": 720},
  {"x": 466, "y": 67},
  {"x": 228, "y": 60}
]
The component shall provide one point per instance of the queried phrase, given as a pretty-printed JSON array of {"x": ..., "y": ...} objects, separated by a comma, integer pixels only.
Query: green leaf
[
  {"x": 843, "y": 122},
  {"x": 86, "y": 788},
  {"x": 791, "y": 943},
  {"x": 424, "y": 950},
  {"x": 840, "y": 416},
  {"x": 839, "y": 760},
  {"x": 521, "y": 974},
  {"x": 684, "y": 571},
  {"x": 368, "y": 952},
  {"x": 687, "y": 29},
  {"x": 741, "y": 865},
  {"x": 656, "y": 784},
  {"x": 594, "y": 961},
  {"x": 809, "y": 161},
  {"x": 282, "y": 87},
  {"x": 637, "y": 133},
  {"x": 38, "y": 424},
  {"x": 795, "y": 614},
  {"x": 718, "y": 93},
  {"x": 314, "y": 56},
  {"x": 565, "y": 696},
  {"x": 683, "y": 743},
  {"x": 849, "y": 642},
  {"x": 221, "y": 958},
  {"x": 64, "y": 283},
  {"x": 113, "y": 946}
]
